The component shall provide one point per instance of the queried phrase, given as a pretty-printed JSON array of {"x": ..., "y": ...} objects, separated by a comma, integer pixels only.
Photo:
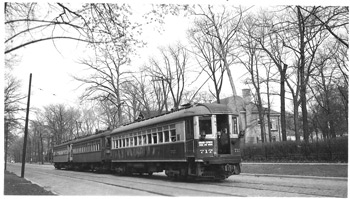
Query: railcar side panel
[
  {"x": 87, "y": 157},
  {"x": 162, "y": 153},
  {"x": 60, "y": 158}
]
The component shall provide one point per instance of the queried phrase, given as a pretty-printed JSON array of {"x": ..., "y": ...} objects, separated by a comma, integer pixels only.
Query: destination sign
[{"x": 205, "y": 143}]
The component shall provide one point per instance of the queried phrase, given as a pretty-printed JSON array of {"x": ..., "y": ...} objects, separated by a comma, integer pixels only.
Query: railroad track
[
  {"x": 135, "y": 185},
  {"x": 162, "y": 186}
]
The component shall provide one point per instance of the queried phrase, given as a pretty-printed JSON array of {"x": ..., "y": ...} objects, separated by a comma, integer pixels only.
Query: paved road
[{"x": 64, "y": 182}]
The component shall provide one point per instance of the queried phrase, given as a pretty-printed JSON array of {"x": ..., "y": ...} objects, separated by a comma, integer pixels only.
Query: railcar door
[
  {"x": 223, "y": 134},
  {"x": 70, "y": 153},
  {"x": 189, "y": 132},
  {"x": 106, "y": 148}
]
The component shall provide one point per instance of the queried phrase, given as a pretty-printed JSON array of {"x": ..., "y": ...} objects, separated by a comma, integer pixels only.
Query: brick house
[{"x": 249, "y": 118}]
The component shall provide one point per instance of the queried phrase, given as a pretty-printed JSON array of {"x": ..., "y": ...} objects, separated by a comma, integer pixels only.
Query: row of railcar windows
[
  {"x": 61, "y": 152},
  {"x": 87, "y": 147},
  {"x": 157, "y": 135}
]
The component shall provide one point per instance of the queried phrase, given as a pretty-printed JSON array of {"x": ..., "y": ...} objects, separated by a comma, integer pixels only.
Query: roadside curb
[
  {"x": 295, "y": 176},
  {"x": 296, "y": 163}
]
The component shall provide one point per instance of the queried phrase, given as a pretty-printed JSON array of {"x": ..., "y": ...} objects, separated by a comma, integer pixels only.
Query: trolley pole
[{"x": 26, "y": 130}]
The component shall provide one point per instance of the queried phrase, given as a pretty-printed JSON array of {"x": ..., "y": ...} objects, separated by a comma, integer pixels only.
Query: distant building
[{"x": 249, "y": 118}]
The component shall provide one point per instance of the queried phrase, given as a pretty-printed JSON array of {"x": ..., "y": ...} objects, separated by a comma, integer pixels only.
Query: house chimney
[{"x": 247, "y": 97}]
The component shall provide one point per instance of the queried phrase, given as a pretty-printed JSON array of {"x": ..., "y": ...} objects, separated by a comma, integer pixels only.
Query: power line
[{"x": 54, "y": 95}]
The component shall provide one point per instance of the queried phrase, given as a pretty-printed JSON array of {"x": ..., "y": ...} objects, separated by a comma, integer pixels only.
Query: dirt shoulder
[{"x": 15, "y": 185}]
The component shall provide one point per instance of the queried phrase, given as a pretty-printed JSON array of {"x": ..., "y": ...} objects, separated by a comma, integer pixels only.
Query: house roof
[
  {"x": 255, "y": 110},
  {"x": 241, "y": 105}
]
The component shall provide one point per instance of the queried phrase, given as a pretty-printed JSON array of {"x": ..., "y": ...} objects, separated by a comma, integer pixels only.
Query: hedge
[{"x": 331, "y": 150}]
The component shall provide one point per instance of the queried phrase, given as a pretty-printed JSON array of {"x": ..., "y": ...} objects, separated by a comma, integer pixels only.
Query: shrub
[{"x": 331, "y": 150}]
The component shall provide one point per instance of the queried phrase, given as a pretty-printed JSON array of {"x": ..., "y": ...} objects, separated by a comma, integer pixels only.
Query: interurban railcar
[
  {"x": 199, "y": 141},
  {"x": 87, "y": 153}
]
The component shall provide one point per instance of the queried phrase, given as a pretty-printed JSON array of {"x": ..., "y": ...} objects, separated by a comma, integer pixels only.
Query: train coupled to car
[{"x": 200, "y": 142}]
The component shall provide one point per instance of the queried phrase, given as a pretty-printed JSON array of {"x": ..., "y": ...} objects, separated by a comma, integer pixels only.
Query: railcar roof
[
  {"x": 198, "y": 109},
  {"x": 90, "y": 137}
]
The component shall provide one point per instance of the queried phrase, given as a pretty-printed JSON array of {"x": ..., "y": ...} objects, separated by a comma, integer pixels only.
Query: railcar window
[
  {"x": 234, "y": 124},
  {"x": 173, "y": 135},
  {"x": 160, "y": 137},
  {"x": 127, "y": 142},
  {"x": 154, "y": 135},
  {"x": 205, "y": 125},
  {"x": 144, "y": 139},
  {"x": 132, "y": 141},
  {"x": 140, "y": 139},
  {"x": 166, "y": 136},
  {"x": 149, "y": 138},
  {"x": 135, "y": 141}
]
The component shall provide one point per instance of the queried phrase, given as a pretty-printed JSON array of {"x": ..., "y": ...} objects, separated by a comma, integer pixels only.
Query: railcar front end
[
  {"x": 62, "y": 155},
  {"x": 217, "y": 145}
]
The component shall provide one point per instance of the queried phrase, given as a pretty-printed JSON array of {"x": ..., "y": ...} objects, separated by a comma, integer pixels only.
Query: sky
[{"x": 52, "y": 67}]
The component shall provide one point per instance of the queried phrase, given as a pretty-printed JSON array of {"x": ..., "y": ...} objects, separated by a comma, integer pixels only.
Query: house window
[
  {"x": 273, "y": 138},
  {"x": 274, "y": 124}
]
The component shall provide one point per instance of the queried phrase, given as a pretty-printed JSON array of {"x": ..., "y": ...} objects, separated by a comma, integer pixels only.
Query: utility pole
[
  {"x": 6, "y": 138},
  {"x": 26, "y": 129}
]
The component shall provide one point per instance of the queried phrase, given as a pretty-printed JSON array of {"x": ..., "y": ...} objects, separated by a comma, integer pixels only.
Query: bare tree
[
  {"x": 335, "y": 19},
  {"x": 251, "y": 58},
  {"x": 222, "y": 26},
  {"x": 13, "y": 103},
  {"x": 327, "y": 76},
  {"x": 30, "y": 23},
  {"x": 104, "y": 82},
  {"x": 271, "y": 36},
  {"x": 89, "y": 119},
  {"x": 61, "y": 121},
  {"x": 207, "y": 57},
  {"x": 171, "y": 71},
  {"x": 305, "y": 42}
]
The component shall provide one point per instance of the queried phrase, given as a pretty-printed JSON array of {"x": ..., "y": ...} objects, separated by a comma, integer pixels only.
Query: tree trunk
[
  {"x": 262, "y": 124},
  {"x": 296, "y": 119},
  {"x": 302, "y": 68},
  {"x": 42, "y": 149},
  {"x": 283, "y": 105},
  {"x": 268, "y": 111}
]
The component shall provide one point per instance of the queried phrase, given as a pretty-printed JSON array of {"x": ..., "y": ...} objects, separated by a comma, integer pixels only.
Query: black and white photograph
[{"x": 175, "y": 98}]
